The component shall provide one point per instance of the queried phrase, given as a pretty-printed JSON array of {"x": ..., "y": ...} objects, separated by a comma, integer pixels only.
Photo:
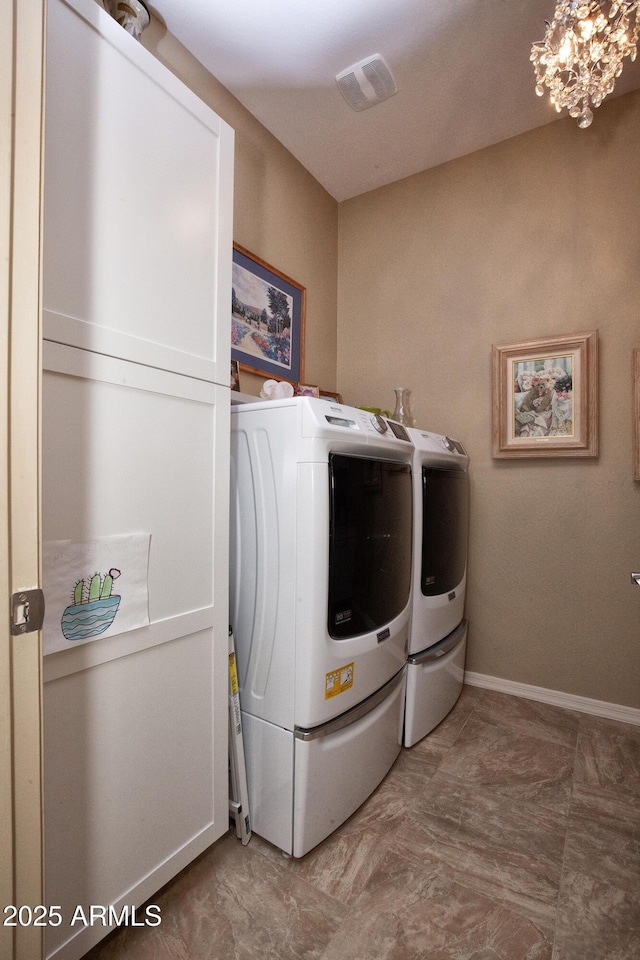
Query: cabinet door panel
[
  {"x": 135, "y": 457},
  {"x": 137, "y": 291},
  {"x": 138, "y": 202},
  {"x": 136, "y": 779},
  {"x": 121, "y": 820}
]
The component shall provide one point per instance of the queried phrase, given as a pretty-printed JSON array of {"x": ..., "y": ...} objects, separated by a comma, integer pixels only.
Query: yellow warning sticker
[
  {"x": 233, "y": 673},
  {"x": 337, "y": 681}
]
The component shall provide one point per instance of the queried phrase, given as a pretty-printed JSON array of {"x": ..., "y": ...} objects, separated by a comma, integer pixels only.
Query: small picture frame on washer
[
  {"x": 235, "y": 375},
  {"x": 306, "y": 390},
  {"x": 330, "y": 395}
]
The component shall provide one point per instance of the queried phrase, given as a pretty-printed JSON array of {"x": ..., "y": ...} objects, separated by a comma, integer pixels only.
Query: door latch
[
  {"x": 635, "y": 578},
  {"x": 27, "y": 612}
]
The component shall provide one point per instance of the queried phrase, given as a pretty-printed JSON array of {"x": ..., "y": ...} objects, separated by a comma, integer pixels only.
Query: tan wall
[
  {"x": 281, "y": 213},
  {"x": 537, "y": 236}
]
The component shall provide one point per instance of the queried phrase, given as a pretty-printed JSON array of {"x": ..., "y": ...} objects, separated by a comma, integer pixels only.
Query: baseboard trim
[{"x": 598, "y": 708}]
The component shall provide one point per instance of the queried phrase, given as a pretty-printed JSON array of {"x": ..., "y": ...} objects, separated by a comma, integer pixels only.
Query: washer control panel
[{"x": 379, "y": 423}]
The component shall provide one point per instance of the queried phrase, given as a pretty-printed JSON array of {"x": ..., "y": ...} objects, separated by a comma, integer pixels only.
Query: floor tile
[
  {"x": 411, "y": 911},
  {"x": 511, "y": 852},
  {"x": 514, "y": 764},
  {"x": 233, "y": 903},
  {"x": 605, "y": 845},
  {"x": 602, "y": 802},
  {"x": 596, "y": 920},
  {"x": 528, "y": 717},
  {"x": 340, "y": 867},
  {"x": 411, "y": 773},
  {"x": 608, "y": 757},
  {"x": 511, "y": 832}
]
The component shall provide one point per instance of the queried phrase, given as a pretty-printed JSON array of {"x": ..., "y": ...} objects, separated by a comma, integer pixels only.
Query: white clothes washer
[
  {"x": 438, "y": 633},
  {"x": 321, "y": 554}
]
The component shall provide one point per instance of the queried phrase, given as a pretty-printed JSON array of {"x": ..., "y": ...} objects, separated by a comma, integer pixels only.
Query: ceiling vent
[{"x": 366, "y": 83}]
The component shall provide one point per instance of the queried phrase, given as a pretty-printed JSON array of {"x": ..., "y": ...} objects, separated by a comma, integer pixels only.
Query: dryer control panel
[
  {"x": 373, "y": 423},
  {"x": 452, "y": 445}
]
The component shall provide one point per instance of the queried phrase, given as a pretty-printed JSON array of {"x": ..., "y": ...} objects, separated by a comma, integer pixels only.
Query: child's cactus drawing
[
  {"x": 94, "y": 587},
  {"x": 107, "y": 584},
  {"x": 93, "y": 609}
]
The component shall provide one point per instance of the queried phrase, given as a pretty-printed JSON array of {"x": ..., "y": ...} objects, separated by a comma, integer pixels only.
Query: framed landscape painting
[
  {"x": 545, "y": 397},
  {"x": 267, "y": 318}
]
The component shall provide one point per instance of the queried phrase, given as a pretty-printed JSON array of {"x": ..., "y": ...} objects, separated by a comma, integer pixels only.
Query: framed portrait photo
[
  {"x": 267, "y": 318},
  {"x": 235, "y": 375},
  {"x": 330, "y": 395},
  {"x": 545, "y": 397},
  {"x": 306, "y": 390}
]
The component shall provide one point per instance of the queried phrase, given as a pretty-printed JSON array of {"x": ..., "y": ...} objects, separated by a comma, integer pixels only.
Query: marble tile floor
[{"x": 512, "y": 832}]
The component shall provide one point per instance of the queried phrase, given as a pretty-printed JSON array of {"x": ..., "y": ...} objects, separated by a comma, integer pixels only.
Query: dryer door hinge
[{"x": 27, "y": 611}]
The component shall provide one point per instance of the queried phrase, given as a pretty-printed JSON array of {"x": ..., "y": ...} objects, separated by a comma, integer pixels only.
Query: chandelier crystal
[{"x": 581, "y": 55}]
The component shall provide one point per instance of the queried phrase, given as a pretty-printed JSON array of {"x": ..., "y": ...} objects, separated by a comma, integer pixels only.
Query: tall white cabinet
[{"x": 137, "y": 288}]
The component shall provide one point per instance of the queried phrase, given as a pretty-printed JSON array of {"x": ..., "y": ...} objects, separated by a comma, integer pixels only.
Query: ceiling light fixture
[{"x": 581, "y": 55}]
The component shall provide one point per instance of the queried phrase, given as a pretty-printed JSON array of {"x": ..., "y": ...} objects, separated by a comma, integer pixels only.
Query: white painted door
[
  {"x": 137, "y": 287},
  {"x": 21, "y": 62}
]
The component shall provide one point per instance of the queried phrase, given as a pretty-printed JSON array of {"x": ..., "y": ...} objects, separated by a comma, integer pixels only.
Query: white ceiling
[{"x": 461, "y": 66}]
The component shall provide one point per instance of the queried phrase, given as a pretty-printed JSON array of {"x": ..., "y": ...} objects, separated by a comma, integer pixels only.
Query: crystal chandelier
[{"x": 581, "y": 55}]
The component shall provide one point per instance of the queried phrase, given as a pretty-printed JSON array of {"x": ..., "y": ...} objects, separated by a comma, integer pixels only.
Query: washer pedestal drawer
[{"x": 434, "y": 683}]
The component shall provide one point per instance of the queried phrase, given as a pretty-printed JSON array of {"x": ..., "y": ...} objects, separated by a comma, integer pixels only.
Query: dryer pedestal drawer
[
  {"x": 304, "y": 785},
  {"x": 268, "y": 751},
  {"x": 434, "y": 683},
  {"x": 336, "y": 773}
]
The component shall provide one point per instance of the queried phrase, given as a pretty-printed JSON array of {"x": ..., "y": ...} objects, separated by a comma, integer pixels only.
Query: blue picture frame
[{"x": 267, "y": 318}]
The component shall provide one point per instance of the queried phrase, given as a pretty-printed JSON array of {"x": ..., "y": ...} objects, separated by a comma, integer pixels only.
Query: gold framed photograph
[{"x": 545, "y": 397}]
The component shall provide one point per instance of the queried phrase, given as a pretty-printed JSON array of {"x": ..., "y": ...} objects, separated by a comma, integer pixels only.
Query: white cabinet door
[
  {"x": 138, "y": 202},
  {"x": 137, "y": 288}
]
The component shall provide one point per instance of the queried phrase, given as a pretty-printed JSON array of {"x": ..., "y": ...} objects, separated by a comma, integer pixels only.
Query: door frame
[{"x": 22, "y": 52}]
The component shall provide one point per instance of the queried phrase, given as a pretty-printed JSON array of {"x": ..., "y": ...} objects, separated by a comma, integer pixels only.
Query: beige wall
[
  {"x": 281, "y": 213},
  {"x": 537, "y": 236}
]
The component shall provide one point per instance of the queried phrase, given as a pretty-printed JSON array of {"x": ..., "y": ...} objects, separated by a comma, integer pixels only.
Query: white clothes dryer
[
  {"x": 320, "y": 573},
  {"x": 438, "y": 633}
]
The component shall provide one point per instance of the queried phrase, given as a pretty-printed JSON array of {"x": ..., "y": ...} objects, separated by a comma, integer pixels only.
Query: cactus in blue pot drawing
[
  {"x": 107, "y": 585},
  {"x": 94, "y": 607},
  {"x": 94, "y": 587}
]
